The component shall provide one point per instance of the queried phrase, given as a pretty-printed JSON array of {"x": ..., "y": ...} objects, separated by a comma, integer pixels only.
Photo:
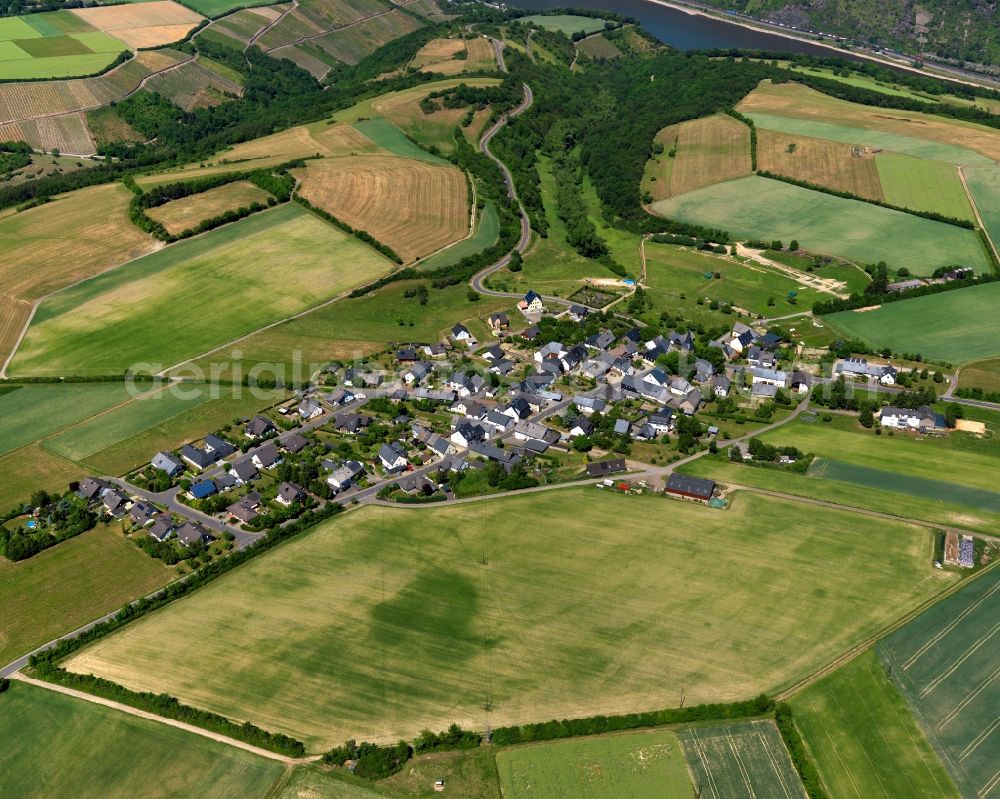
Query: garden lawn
[
  {"x": 759, "y": 208},
  {"x": 923, "y": 185},
  {"x": 196, "y": 295},
  {"x": 864, "y": 739},
  {"x": 954, "y": 326},
  {"x": 642, "y": 765},
  {"x": 97, "y": 751},
  {"x": 35, "y": 411},
  {"x": 375, "y": 627},
  {"x": 69, "y": 585}
]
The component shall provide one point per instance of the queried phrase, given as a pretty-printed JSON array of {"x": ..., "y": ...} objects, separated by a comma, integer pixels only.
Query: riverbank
[{"x": 939, "y": 72}]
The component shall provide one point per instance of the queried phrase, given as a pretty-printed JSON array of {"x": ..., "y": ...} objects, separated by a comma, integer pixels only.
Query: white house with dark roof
[
  {"x": 918, "y": 419},
  {"x": 859, "y": 367},
  {"x": 168, "y": 463},
  {"x": 532, "y": 303}
]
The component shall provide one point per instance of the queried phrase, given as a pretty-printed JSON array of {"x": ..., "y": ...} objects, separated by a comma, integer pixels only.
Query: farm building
[
  {"x": 604, "y": 468},
  {"x": 695, "y": 488},
  {"x": 859, "y": 367},
  {"x": 922, "y": 418}
]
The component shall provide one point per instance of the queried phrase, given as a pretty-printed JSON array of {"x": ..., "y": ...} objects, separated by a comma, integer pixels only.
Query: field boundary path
[
  {"x": 979, "y": 219},
  {"x": 132, "y": 711},
  {"x": 824, "y": 285}
]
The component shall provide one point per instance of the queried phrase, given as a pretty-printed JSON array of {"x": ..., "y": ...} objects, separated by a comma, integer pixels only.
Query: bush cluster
[{"x": 797, "y": 749}]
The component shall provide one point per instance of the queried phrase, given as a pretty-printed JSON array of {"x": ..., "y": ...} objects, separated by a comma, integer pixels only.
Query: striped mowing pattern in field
[
  {"x": 745, "y": 759},
  {"x": 945, "y": 664}
]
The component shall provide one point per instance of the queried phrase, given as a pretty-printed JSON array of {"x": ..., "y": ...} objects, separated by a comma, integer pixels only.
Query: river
[{"x": 688, "y": 31}]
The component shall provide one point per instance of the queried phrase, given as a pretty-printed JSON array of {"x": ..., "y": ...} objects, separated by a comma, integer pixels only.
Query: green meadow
[
  {"x": 69, "y": 585},
  {"x": 197, "y": 294},
  {"x": 372, "y": 626},
  {"x": 984, "y": 184},
  {"x": 893, "y": 142},
  {"x": 34, "y": 411},
  {"x": 486, "y": 234},
  {"x": 954, "y": 326},
  {"x": 864, "y": 739},
  {"x": 387, "y": 136},
  {"x": 758, "y": 208},
  {"x": 923, "y": 185},
  {"x": 565, "y": 23},
  {"x": 56, "y": 745},
  {"x": 743, "y": 759},
  {"x": 944, "y": 663},
  {"x": 643, "y": 765}
]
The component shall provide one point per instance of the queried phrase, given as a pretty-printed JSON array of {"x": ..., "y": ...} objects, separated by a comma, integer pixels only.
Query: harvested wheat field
[
  {"x": 75, "y": 236},
  {"x": 143, "y": 24},
  {"x": 706, "y": 151},
  {"x": 298, "y": 142},
  {"x": 890, "y": 129},
  {"x": 13, "y": 314},
  {"x": 413, "y": 206},
  {"x": 437, "y": 51},
  {"x": 180, "y": 215},
  {"x": 481, "y": 54},
  {"x": 826, "y": 163}
]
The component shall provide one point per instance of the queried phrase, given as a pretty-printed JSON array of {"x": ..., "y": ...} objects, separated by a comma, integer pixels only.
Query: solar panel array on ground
[{"x": 945, "y": 663}]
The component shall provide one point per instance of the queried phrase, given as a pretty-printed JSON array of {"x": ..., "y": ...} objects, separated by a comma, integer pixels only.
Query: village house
[
  {"x": 531, "y": 304},
  {"x": 345, "y": 475},
  {"x": 351, "y": 422},
  {"x": 202, "y": 489},
  {"x": 167, "y": 462},
  {"x": 859, "y": 367},
  {"x": 259, "y": 427},
  {"x": 466, "y": 433},
  {"x": 309, "y": 409},
  {"x": 461, "y": 335},
  {"x": 289, "y": 494},
  {"x": 340, "y": 396},
  {"x": 498, "y": 323},
  {"x": 920, "y": 419},
  {"x": 604, "y": 468},
  {"x": 769, "y": 377},
  {"x": 580, "y": 426},
  {"x": 578, "y": 313},
  {"x": 295, "y": 443},
  {"x": 267, "y": 456},
  {"x": 161, "y": 529},
  {"x": 200, "y": 459},
  {"x": 191, "y": 533},
  {"x": 246, "y": 508},
  {"x": 416, "y": 373},
  {"x": 142, "y": 513},
  {"x": 393, "y": 457}
]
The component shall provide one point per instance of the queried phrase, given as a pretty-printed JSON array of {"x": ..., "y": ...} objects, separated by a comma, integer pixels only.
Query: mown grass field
[
  {"x": 75, "y": 236},
  {"x": 944, "y": 662},
  {"x": 820, "y": 161},
  {"x": 864, "y": 739},
  {"x": 71, "y": 584},
  {"x": 598, "y": 47},
  {"x": 708, "y": 150},
  {"x": 322, "y": 640},
  {"x": 454, "y": 56},
  {"x": 672, "y": 272},
  {"x": 981, "y": 374},
  {"x": 96, "y": 751},
  {"x": 795, "y": 108},
  {"x": 355, "y": 327},
  {"x": 923, "y": 185},
  {"x": 184, "y": 214},
  {"x": 384, "y": 134},
  {"x": 35, "y": 411},
  {"x": 984, "y": 185},
  {"x": 565, "y": 23},
  {"x": 953, "y": 326},
  {"x": 197, "y": 294},
  {"x": 29, "y": 469},
  {"x": 743, "y": 759},
  {"x": 969, "y": 460},
  {"x": 143, "y": 25},
  {"x": 758, "y": 208},
  {"x": 638, "y": 765},
  {"x": 414, "y": 207}
]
